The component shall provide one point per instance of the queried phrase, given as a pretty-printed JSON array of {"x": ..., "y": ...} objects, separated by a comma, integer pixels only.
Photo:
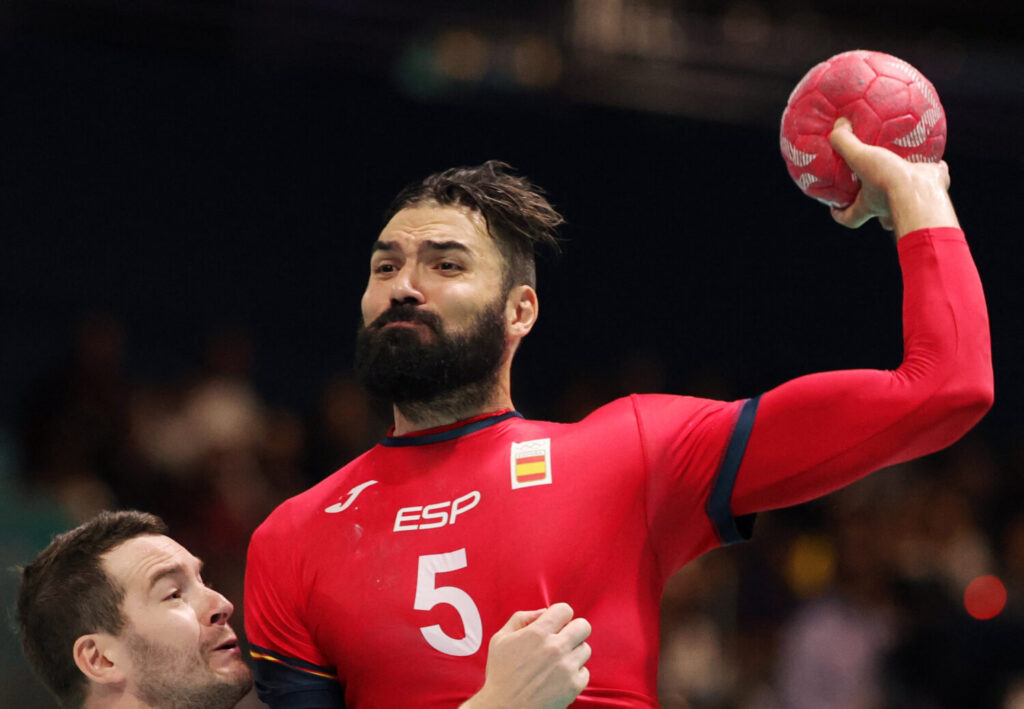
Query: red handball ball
[{"x": 888, "y": 102}]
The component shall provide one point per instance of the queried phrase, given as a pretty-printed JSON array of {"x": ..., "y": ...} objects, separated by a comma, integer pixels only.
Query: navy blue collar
[{"x": 448, "y": 432}]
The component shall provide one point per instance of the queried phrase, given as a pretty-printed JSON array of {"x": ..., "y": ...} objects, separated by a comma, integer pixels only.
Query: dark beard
[{"x": 448, "y": 374}]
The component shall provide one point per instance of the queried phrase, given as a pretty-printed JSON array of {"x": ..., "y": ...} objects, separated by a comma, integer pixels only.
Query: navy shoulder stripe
[
  {"x": 288, "y": 683},
  {"x": 729, "y": 529}
]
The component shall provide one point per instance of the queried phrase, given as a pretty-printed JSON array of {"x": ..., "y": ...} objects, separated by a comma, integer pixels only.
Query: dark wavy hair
[
  {"x": 65, "y": 594},
  {"x": 518, "y": 215}
]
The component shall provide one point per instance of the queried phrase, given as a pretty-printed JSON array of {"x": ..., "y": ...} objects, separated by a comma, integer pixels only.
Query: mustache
[{"x": 404, "y": 312}]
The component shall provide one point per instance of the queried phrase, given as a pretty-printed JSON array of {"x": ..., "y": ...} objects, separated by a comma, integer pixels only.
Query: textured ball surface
[{"x": 888, "y": 102}]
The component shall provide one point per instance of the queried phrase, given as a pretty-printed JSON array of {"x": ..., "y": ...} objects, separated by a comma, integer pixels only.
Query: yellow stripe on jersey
[{"x": 270, "y": 658}]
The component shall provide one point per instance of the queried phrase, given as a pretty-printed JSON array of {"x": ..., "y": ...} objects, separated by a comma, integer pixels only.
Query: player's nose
[
  {"x": 405, "y": 286},
  {"x": 219, "y": 609}
]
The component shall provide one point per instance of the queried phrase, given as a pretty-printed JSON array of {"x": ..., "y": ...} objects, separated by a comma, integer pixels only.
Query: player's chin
[
  {"x": 229, "y": 661},
  {"x": 238, "y": 685},
  {"x": 236, "y": 674}
]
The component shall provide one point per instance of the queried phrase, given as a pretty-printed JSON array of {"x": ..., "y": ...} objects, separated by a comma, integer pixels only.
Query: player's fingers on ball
[
  {"x": 843, "y": 124},
  {"x": 869, "y": 162},
  {"x": 849, "y": 217},
  {"x": 842, "y": 137},
  {"x": 840, "y": 215}
]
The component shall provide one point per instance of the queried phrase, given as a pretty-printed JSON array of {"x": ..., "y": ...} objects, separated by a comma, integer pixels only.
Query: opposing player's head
[
  {"x": 114, "y": 610},
  {"x": 452, "y": 285}
]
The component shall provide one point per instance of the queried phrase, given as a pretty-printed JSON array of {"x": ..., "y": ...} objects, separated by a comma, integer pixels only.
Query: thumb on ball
[
  {"x": 843, "y": 139},
  {"x": 870, "y": 163}
]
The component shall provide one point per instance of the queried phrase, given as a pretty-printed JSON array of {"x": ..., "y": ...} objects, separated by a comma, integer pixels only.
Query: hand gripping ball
[{"x": 888, "y": 102}]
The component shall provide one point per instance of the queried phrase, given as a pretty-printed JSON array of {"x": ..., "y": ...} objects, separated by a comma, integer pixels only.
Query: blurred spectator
[
  {"x": 832, "y": 648},
  {"x": 698, "y": 669},
  {"x": 28, "y": 519},
  {"x": 346, "y": 424},
  {"x": 73, "y": 422},
  {"x": 944, "y": 658},
  {"x": 1013, "y": 564}
]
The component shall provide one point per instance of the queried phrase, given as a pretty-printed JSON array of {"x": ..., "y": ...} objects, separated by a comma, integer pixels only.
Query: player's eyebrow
[
  {"x": 449, "y": 245},
  {"x": 445, "y": 246},
  {"x": 172, "y": 570}
]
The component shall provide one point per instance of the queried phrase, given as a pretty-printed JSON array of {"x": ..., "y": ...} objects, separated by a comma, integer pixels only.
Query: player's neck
[
  {"x": 454, "y": 406},
  {"x": 114, "y": 700}
]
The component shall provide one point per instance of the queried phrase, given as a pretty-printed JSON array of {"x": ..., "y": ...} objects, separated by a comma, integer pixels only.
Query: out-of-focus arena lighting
[
  {"x": 643, "y": 28},
  {"x": 536, "y": 62},
  {"x": 985, "y": 597},
  {"x": 747, "y": 23},
  {"x": 462, "y": 54},
  {"x": 810, "y": 565}
]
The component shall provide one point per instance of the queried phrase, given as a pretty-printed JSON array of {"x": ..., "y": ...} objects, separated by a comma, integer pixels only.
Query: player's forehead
[
  {"x": 426, "y": 223},
  {"x": 135, "y": 562}
]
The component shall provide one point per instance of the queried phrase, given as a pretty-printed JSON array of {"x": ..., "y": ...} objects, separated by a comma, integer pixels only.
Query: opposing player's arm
[
  {"x": 537, "y": 661},
  {"x": 820, "y": 432}
]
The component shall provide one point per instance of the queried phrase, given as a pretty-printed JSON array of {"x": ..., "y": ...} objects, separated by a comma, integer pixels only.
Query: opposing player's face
[
  {"x": 177, "y": 646},
  {"x": 440, "y": 260}
]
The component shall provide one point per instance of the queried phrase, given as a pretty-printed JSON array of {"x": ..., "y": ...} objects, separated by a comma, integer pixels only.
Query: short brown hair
[
  {"x": 65, "y": 594},
  {"x": 518, "y": 215}
]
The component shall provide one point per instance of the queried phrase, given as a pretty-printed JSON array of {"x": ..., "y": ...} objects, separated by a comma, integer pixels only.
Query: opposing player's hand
[
  {"x": 537, "y": 661},
  {"x": 903, "y": 195}
]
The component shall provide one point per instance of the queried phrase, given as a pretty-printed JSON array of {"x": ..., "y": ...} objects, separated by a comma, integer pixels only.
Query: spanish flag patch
[{"x": 531, "y": 463}]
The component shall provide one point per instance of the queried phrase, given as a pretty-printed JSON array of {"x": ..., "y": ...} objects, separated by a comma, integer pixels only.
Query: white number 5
[{"x": 427, "y": 596}]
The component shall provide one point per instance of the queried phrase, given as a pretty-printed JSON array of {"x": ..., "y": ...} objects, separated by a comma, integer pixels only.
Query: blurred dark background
[{"x": 189, "y": 191}]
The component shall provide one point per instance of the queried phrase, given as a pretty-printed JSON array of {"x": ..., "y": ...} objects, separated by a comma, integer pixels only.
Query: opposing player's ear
[
  {"x": 521, "y": 309},
  {"x": 99, "y": 657}
]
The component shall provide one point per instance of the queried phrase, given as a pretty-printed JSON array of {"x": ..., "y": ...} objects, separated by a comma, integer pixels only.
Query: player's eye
[
  {"x": 384, "y": 268},
  {"x": 449, "y": 266},
  {"x": 173, "y": 595}
]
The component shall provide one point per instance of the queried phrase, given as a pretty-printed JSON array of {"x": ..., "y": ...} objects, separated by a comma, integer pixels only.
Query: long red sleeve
[{"x": 820, "y": 432}]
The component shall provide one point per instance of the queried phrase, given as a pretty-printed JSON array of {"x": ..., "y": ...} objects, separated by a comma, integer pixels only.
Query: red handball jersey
[{"x": 380, "y": 586}]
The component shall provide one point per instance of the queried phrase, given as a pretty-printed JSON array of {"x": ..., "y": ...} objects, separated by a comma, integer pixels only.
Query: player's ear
[
  {"x": 99, "y": 656},
  {"x": 521, "y": 310}
]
